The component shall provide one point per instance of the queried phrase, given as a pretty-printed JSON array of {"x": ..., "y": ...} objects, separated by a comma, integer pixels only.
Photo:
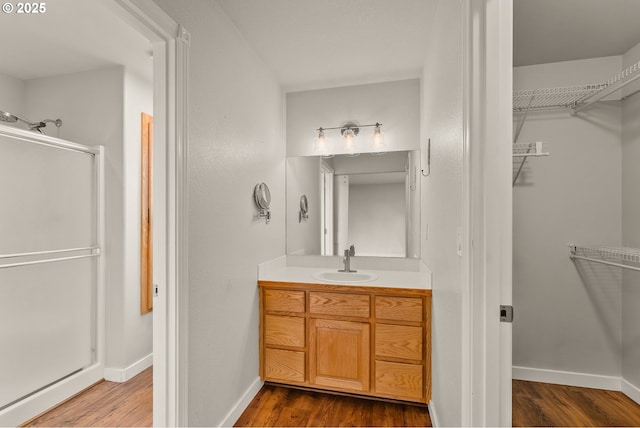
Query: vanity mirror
[{"x": 371, "y": 201}]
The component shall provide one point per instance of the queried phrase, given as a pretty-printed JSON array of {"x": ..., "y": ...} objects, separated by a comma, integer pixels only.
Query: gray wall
[
  {"x": 631, "y": 229},
  {"x": 12, "y": 95},
  {"x": 236, "y": 139},
  {"x": 568, "y": 315}
]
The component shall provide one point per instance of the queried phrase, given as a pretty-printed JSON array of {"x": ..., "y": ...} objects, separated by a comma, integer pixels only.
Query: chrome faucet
[{"x": 347, "y": 259}]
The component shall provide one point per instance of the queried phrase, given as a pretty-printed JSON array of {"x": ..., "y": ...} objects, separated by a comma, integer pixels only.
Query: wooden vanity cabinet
[{"x": 363, "y": 340}]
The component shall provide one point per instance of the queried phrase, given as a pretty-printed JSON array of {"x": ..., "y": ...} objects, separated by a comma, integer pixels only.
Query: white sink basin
[{"x": 345, "y": 277}]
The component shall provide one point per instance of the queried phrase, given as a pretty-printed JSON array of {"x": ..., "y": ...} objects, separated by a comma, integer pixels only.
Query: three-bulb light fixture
[{"x": 349, "y": 133}]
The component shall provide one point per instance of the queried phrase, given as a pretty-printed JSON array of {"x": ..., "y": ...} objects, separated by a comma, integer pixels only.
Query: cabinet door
[{"x": 339, "y": 354}]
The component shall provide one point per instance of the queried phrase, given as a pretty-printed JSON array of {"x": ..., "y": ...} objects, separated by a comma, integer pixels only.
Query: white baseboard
[
  {"x": 584, "y": 380},
  {"x": 123, "y": 375},
  {"x": 631, "y": 391},
  {"x": 36, "y": 404},
  {"x": 433, "y": 415},
  {"x": 611, "y": 383},
  {"x": 236, "y": 411}
]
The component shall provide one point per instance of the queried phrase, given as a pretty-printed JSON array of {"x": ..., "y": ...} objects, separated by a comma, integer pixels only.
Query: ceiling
[
  {"x": 563, "y": 30},
  {"x": 71, "y": 36},
  {"x": 311, "y": 44}
]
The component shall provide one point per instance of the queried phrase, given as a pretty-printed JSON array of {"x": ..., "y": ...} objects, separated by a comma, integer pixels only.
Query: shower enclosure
[{"x": 51, "y": 271}]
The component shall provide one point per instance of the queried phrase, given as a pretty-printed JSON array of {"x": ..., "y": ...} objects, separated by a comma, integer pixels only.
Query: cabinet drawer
[
  {"x": 397, "y": 380},
  {"x": 399, "y": 341},
  {"x": 284, "y": 365},
  {"x": 354, "y": 305},
  {"x": 284, "y": 331},
  {"x": 399, "y": 308},
  {"x": 284, "y": 300}
]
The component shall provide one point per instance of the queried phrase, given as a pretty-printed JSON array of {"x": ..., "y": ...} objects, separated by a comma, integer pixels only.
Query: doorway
[{"x": 150, "y": 22}]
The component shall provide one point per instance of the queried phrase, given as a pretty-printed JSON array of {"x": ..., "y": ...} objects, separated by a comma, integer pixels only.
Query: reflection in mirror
[
  {"x": 304, "y": 208},
  {"x": 371, "y": 201}
]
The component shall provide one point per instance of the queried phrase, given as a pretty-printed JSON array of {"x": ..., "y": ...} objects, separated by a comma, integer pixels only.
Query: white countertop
[{"x": 413, "y": 274}]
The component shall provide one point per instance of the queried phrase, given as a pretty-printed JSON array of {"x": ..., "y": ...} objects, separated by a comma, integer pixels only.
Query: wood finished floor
[
  {"x": 543, "y": 404},
  {"x": 276, "y": 406},
  {"x": 534, "y": 404},
  {"x": 112, "y": 404}
]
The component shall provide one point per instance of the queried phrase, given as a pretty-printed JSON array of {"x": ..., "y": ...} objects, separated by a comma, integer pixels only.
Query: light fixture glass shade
[
  {"x": 377, "y": 139},
  {"x": 349, "y": 140},
  {"x": 322, "y": 145}
]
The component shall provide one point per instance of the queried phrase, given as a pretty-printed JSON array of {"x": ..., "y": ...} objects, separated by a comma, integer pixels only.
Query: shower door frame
[{"x": 38, "y": 401}]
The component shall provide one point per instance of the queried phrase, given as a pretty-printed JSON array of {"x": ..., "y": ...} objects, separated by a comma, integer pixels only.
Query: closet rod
[
  {"x": 36, "y": 262},
  {"x": 573, "y": 256},
  {"x": 41, "y": 253}
]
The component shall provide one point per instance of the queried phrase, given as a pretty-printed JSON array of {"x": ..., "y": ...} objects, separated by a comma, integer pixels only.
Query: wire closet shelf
[
  {"x": 612, "y": 256},
  {"x": 550, "y": 98},
  {"x": 574, "y": 98},
  {"x": 528, "y": 149}
]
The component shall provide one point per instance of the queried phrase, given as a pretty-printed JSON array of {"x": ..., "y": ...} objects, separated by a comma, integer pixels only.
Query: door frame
[
  {"x": 486, "y": 398},
  {"x": 487, "y": 212},
  {"x": 170, "y": 43},
  {"x": 326, "y": 206}
]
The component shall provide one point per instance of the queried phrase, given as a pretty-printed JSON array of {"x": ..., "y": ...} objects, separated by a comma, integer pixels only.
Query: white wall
[
  {"x": 138, "y": 333},
  {"x": 631, "y": 228},
  {"x": 11, "y": 95},
  {"x": 441, "y": 211},
  {"x": 568, "y": 315},
  {"x": 396, "y": 105},
  {"x": 101, "y": 107},
  {"x": 377, "y": 224},
  {"x": 236, "y": 140}
]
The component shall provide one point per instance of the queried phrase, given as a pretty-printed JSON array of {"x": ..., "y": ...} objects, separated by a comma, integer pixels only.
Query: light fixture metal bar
[{"x": 350, "y": 126}]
